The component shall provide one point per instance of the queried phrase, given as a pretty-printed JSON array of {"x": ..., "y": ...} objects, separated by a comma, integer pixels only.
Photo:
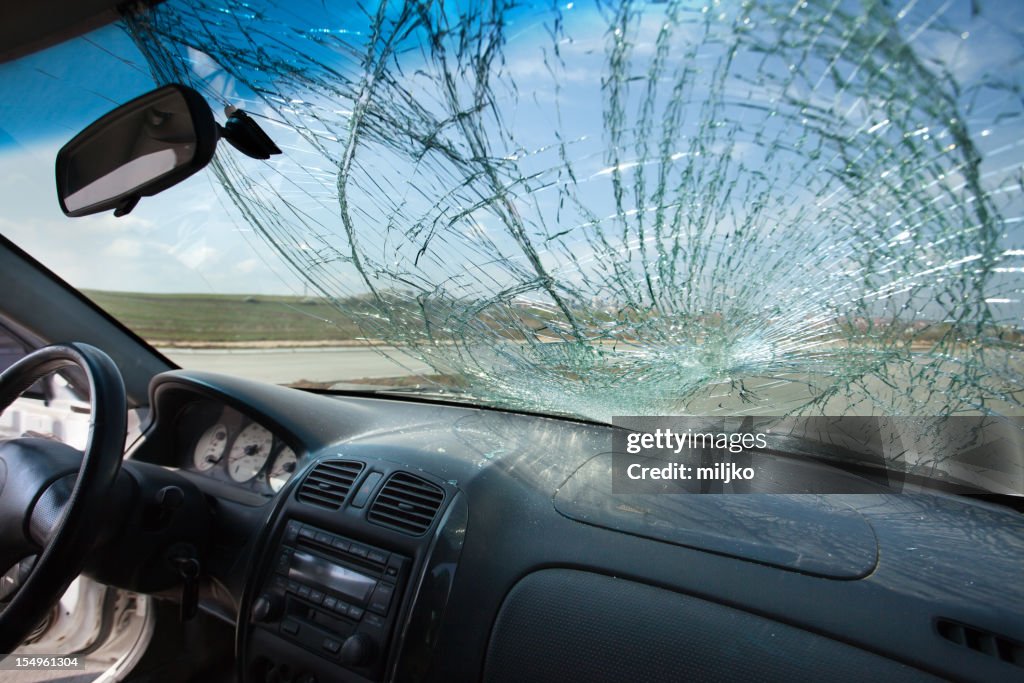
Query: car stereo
[{"x": 332, "y": 595}]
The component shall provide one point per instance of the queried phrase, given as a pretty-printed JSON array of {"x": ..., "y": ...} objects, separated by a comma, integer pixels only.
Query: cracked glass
[{"x": 636, "y": 208}]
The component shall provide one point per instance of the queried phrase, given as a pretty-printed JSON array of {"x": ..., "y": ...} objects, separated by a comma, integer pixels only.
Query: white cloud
[
  {"x": 124, "y": 249},
  {"x": 196, "y": 256},
  {"x": 247, "y": 266}
]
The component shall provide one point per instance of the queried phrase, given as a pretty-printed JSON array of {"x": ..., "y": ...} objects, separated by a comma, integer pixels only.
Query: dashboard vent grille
[
  {"x": 406, "y": 503},
  {"x": 982, "y": 641},
  {"x": 329, "y": 482}
]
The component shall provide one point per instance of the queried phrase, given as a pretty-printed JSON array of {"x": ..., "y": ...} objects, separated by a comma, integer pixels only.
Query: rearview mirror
[{"x": 137, "y": 150}]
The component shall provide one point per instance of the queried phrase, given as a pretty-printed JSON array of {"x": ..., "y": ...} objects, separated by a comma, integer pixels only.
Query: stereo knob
[
  {"x": 358, "y": 650},
  {"x": 266, "y": 607}
]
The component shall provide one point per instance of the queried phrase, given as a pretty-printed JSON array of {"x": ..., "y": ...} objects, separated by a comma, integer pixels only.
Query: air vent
[
  {"x": 329, "y": 482},
  {"x": 982, "y": 641},
  {"x": 406, "y": 503}
]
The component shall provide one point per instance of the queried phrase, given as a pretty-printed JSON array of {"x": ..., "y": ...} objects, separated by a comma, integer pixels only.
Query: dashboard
[{"x": 355, "y": 538}]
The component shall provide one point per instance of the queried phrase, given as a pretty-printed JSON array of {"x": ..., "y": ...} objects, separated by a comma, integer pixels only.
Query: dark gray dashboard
[{"x": 530, "y": 555}]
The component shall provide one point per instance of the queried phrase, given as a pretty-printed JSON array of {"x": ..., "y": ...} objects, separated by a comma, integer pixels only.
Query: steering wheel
[{"x": 52, "y": 497}]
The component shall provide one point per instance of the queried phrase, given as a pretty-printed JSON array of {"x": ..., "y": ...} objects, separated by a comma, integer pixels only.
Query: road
[{"x": 288, "y": 365}]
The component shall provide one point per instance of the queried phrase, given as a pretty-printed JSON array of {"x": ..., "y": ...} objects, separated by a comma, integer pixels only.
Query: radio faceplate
[{"x": 332, "y": 595}]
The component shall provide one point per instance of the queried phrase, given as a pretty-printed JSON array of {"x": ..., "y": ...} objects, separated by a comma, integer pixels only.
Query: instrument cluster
[{"x": 220, "y": 442}]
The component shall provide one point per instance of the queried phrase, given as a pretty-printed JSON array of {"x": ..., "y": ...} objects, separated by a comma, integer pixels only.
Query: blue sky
[{"x": 193, "y": 239}]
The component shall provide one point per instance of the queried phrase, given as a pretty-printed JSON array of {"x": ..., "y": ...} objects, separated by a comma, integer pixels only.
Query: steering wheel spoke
[
  {"x": 15, "y": 577},
  {"x": 49, "y": 509}
]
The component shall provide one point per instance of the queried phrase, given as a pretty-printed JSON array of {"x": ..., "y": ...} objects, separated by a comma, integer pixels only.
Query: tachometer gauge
[
  {"x": 249, "y": 452},
  {"x": 283, "y": 469},
  {"x": 210, "y": 447}
]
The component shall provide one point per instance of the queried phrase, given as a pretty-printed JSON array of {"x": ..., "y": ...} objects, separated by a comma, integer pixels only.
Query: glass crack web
[{"x": 642, "y": 208}]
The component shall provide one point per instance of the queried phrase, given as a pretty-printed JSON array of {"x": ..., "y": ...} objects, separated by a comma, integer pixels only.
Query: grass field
[
  {"x": 184, "y": 319},
  {"x": 254, "y": 320}
]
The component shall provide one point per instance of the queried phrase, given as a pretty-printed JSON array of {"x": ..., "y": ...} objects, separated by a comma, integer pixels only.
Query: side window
[
  {"x": 52, "y": 408},
  {"x": 11, "y": 349}
]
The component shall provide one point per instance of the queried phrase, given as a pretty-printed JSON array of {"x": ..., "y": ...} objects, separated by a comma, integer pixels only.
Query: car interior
[{"x": 180, "y": 524}]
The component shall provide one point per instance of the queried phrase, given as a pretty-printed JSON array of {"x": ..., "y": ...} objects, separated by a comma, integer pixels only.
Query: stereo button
[
  {"x": 332, "y": 646},
  {"x": 381, "y": 600},
  {"x": 329, "y": 603},
  {"x": 266, "y": 608},
  {"x": 316, "y": 596},
  {"x": 358, "y": 650},
  {"x": 394, "y": 566}
]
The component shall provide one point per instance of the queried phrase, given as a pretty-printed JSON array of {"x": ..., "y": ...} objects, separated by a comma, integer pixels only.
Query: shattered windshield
[{"x": 597, "y": 209}]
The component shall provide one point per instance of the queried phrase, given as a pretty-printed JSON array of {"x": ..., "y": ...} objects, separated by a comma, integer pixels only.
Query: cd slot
[
  {"x": 350, "y": 560},
  {"x": 306, "y": 613},
  {"x": 319, "y": 572}
]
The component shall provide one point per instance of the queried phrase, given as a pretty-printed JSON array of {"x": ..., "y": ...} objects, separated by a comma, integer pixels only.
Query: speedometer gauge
[
  {"x": 210, "y": 447},
  {"x": 283, "y": 469},
  {"x": 249, "y": 452}
]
